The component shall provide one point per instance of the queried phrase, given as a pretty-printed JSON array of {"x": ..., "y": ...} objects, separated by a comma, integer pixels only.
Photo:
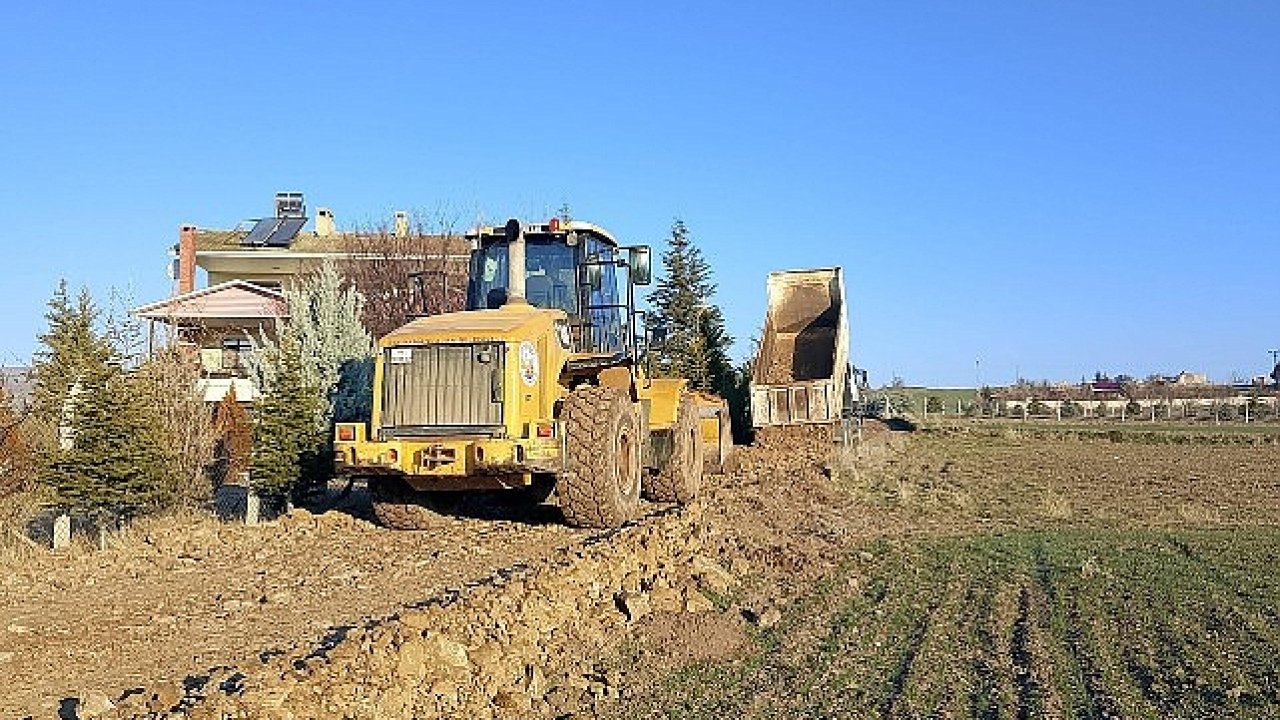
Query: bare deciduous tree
[
  {"x": 421, "y": 270},
  {"x": 168, "y": 379}
]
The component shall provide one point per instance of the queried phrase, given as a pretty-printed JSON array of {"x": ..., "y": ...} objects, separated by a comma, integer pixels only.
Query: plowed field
[{"x": 1016, "y": 577}]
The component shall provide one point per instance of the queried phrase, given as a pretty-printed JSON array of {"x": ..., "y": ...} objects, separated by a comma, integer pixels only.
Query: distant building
[
  {"x": 1106, "y": 389},
  {"x": 1190, "y": 378},
  {"x": 17, "y": 385}
]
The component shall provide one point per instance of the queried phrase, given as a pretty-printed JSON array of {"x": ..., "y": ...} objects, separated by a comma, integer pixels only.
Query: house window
[{"x": 234, "y": 351}]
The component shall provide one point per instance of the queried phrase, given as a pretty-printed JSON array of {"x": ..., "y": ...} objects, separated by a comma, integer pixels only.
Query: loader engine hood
[
  {"x": 473, "y": 373},
  {"x": 513, "y": 322}
]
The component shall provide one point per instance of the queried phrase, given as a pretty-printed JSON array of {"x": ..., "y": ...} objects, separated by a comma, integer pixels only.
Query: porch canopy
[{"x": 235, "y": 303}]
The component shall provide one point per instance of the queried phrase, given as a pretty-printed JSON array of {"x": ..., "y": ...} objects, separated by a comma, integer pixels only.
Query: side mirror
[{"x": 640, "y": 263}]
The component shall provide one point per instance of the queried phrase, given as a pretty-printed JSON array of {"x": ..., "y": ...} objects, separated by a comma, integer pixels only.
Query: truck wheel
[
  {"x": 681, "y": 478},
  {"x": 601, "y": 487},
  {"x": 399, "y": 506}
]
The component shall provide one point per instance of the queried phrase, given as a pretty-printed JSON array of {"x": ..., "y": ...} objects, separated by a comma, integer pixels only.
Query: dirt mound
[
  {"x": 172, "y": 597},
  {"x": 522, "y": 642}
]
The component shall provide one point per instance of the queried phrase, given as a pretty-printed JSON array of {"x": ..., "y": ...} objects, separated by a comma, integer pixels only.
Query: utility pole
[{"x": 1275, "y": 380}]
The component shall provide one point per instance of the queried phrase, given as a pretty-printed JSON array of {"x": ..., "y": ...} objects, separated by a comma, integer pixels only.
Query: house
[
  {"x": 273, "y": 251},
  {"x": 219, "y": 324},
  {"x": 248, "y": 268}
]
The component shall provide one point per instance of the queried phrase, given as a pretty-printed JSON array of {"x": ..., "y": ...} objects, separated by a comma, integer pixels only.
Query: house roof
[
  {"x": 234, "y": 299},
  {"x": 307, "y": 241}
]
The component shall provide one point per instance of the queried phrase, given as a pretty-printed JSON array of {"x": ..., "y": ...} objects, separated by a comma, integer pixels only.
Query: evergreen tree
[
  {"x": 115, "y": 464},
  {"x": 318, "y": 370},
  {"x": 110, "y": 459},
  {"x": 696, "y": 344},
  {"x": 286, "y": 438},
  {"x": 336, "y": 350},
  {"x": 69, "y": 347}
]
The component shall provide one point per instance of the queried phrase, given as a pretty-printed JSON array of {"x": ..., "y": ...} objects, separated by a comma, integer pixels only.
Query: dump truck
[
  {"x": 802, "y": 372},
  {"x": 538, "y": 386}
]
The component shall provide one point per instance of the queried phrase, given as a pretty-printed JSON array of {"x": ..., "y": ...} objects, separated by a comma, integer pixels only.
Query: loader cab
[{"x": 575, "y": 267}]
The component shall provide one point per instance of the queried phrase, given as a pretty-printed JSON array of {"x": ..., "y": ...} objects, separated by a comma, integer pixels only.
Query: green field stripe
[
  {"x": 846, "y": 656},
  {"x": 1074, "y": 674},
  {"x": 940, "y": 679}
]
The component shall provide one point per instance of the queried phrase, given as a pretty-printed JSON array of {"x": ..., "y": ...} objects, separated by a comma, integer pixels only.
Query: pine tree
[
  {"x": 69, "y": 347},
  {"x": 116, "y": 464},
  {"x": 696, "y": 343},
  {"x": 336, "y": 349},
  {"x": 318, "y": 370},
  {"x": 111, "y": 459},
  {"x": 286, "y": 439}
]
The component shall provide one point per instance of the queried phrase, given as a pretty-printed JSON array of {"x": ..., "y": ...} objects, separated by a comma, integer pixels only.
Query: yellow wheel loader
[{"x": 538, "y": 386}]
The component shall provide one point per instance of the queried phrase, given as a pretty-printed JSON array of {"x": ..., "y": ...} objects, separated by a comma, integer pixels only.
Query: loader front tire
[
  {"x": 601, "y": 486},
  {"x": 681, "y": 478}
]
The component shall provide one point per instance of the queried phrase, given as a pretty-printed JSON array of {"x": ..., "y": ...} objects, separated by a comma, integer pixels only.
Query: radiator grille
[{"x": 442, "y": 386}]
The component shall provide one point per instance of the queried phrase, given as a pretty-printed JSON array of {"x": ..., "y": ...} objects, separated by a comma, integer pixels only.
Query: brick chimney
[{"x": 186, "y": 259}]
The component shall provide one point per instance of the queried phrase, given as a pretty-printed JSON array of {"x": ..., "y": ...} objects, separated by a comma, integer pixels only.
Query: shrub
[
  {"x": 17, "y": 457},
  {"x": 1039, "y": 409},
  {"x": 1226, "y": 412},
  {"x": 179, "y": 414},
  {"x": 1071, "y": 409},
  {"x": 934, "y": 404},
  {"x": 233, "y": 449}
]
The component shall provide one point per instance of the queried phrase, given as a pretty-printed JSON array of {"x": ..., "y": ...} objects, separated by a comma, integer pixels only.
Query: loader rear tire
[
  {"x": 601, "y": 487},
  {"x": 400, "y": 507},
  {"x": 681, "y": 478}
]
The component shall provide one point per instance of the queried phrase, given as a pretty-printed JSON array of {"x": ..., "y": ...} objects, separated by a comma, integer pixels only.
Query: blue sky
[{"x": 1049, "y": 188}]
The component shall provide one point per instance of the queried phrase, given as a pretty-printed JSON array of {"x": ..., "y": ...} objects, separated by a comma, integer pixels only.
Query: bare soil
[
  {"x": 170, "y": 598},
  {"x": 809, "y": 580}
]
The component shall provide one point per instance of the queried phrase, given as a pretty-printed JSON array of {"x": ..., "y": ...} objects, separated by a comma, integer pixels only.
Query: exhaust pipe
[{"x": 515, "y": 263}]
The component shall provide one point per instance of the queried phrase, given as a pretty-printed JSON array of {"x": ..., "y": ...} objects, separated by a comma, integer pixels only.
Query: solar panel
[
  {"x": 261, "y": 231},
  {"x": 285, "y": 231}
]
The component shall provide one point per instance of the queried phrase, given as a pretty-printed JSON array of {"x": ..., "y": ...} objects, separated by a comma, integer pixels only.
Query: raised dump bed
[{"x": 802, "y": 373}]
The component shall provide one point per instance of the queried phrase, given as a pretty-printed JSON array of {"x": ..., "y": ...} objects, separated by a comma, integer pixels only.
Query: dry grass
[{"x": 16, "y": 511}]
